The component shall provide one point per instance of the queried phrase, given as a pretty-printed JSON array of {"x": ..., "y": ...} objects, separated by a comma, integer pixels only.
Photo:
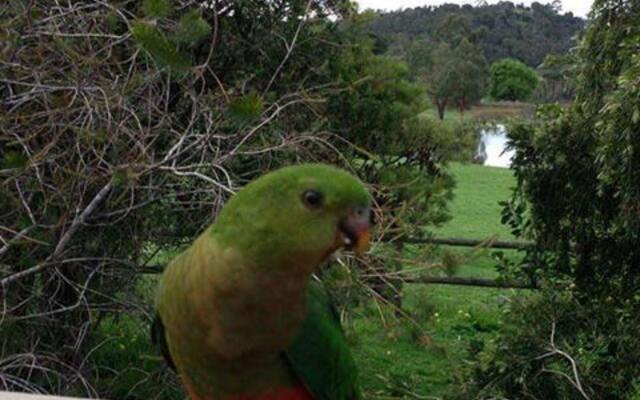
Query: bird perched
[{"x": 239, "y": 314}]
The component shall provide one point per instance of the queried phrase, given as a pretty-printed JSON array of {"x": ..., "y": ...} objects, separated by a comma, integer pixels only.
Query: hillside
[{"x": 501, "y": 30}]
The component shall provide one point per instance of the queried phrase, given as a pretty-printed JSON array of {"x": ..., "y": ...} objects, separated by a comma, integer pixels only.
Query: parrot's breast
[{"x": 228, "y": 322}]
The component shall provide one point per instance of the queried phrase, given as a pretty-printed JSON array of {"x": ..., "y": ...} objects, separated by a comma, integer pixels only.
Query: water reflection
[{"x": 492, "y": 147}]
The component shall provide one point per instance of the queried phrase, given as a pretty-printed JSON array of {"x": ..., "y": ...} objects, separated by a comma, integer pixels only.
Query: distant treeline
[{"x": 502, "y": 30}]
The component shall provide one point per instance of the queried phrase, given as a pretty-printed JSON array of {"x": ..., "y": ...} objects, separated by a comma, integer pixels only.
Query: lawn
[
  {"x": 475, "y": 209},
  {"x": 490, "y": 111},
  {"x": 423, "y": 359}
]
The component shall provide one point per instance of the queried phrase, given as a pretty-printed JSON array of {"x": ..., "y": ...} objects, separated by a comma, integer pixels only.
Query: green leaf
[
  {"x": 163, "y": 51},
  {"x": 13, "y": 159},
  {"x": 248, "y": 107},
  {"x": 156, "y": 8},
  {"x": 192, "y": 29}
]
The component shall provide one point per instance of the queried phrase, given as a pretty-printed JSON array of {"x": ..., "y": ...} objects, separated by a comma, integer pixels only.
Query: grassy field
[
  {"x": 423, "y": 359},
  {"x": 488, "y": 111}
]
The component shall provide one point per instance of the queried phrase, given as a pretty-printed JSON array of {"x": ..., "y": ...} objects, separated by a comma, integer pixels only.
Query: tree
[
  {"x": 512, "y": 80},
  {"x": 468, "y": 76},
  {"x": 557, "y": 78},
  {"x": 453, "y": 29},
  {"x": 451, "y": 76},
  {"x": 439, "y": 77},
  {"x": 431, "y": 66}
]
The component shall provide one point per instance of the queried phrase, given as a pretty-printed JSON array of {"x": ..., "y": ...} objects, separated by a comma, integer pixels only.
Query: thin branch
[
  {"x": 80, "y": 219},
  {"x": 290, "y": 48},
  {"x": 553, "y": 351}
]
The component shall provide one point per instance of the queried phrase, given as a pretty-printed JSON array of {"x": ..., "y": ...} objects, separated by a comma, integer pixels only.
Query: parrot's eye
[{"x": 312, "y": 198}]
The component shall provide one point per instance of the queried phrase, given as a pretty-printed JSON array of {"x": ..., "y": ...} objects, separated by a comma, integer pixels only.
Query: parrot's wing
[
  {"x": 319, "y": 355},
  {"x": 159, "y": 339}
]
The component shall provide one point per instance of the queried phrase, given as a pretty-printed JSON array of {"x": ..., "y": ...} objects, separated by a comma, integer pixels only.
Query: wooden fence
[
  {"x": 490, "y": 243},
  {"x": 446, "y": 280}
]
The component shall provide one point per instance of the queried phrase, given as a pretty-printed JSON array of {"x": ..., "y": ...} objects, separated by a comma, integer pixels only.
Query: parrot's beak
[{"x": 355, "y": 230}]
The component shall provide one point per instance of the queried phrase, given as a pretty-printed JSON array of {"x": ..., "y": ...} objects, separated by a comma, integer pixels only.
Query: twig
[
  {"x": 553, "y": 351},
  {"x": 79, "y": 220},
  {"x": 290, "y": 48}
]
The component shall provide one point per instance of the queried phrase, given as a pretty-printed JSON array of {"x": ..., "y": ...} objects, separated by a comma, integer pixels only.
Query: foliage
[
  {"x": 502, "y": 30},
  {"x": 512, "y": 80},
  {"x": 192, "y": 29},
  {"x": 373, "y": 112},
  {"x": 163, "y": 51},
  {"x": 469, "y": 75},
  {"x": 156, "y": 8},
  {"x": 453, "y": 29},
  {"x": 557, "y": 79},
  {"x": 403, "y": 154},
  {"x": 124, "y": 146},
  {"x": 538, "y": 361},
  {"x": 403, "y": 151},
  {"x": 578, "y": 197},
  {"x": 432, "y": 66},
  {"x": 451, "y": 76}
]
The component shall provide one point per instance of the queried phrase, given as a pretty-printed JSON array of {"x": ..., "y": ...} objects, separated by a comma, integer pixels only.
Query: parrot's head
[{"x": 298, "y": 214}]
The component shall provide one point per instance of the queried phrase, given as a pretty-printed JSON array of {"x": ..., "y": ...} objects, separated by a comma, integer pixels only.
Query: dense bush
[
  {"x": 512, "y": 80},
  {"x": 578, "y": 197},
  {"x": 553, "y": 346}
]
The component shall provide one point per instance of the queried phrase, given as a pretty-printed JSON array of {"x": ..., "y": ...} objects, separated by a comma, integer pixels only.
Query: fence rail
[
  {"x": 487, "y": 243},
  {"x": 442, "y": 280},
  {"x": 479, "y": 282}
]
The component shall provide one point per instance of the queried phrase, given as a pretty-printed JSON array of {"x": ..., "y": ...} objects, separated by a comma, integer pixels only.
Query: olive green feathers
[{"x": 239, "y": 312}]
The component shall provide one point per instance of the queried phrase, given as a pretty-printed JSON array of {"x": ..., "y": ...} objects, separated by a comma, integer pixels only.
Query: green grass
[
  {"x": 450, "y": 115},
  {"x": 398, "y": 359},
  {"x": 476, "y": 214},
  {"x": 475, "y": 209},
  {"x": 488, "y": 111}
]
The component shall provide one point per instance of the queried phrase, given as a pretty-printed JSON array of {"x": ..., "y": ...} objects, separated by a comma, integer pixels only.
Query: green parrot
[{"x": 240, "y": 315}]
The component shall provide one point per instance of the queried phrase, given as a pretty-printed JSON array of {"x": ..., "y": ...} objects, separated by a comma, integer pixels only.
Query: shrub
[{"x": 512, "y": 80}]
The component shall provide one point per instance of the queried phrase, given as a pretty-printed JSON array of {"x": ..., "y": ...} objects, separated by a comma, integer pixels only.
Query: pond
[{"x": 491, "y": 149}]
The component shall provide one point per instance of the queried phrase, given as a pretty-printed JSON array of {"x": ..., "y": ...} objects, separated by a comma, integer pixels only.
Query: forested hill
[{"x": 501, "y": 30}]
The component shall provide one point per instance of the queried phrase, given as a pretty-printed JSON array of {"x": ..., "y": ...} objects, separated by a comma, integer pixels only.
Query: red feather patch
[
  {"x": 283, "y": 393},
  {"x": 290, "y": 393}
]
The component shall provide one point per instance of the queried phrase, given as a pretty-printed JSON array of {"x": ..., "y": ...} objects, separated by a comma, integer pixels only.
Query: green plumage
[
  {"x": 237, "y": 312},
  {"x": 319, "y": 353}
]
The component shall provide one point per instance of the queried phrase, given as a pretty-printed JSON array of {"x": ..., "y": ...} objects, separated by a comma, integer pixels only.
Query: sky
[{"x": 579, "y": 8}]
